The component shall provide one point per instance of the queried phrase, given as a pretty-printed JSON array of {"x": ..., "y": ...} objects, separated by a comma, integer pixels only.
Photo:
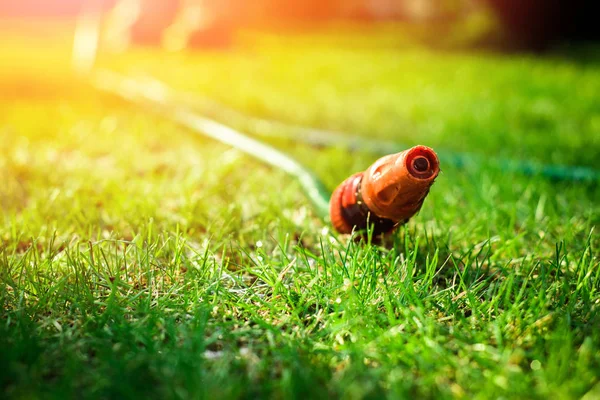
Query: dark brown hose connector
[{"x": 387, "y": 194}]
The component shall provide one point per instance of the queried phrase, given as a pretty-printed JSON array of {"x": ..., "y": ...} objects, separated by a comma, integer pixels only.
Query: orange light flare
[
  {"x": 387, "y": 194},
  {"x": 43, "y": 8}
]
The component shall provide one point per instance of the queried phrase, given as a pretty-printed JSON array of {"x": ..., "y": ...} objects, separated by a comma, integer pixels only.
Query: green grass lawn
[{"x": 138, "y": 259}]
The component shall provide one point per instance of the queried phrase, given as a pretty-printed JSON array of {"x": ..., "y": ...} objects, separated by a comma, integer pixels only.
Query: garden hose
[
  {"x": 383, "y": 197},
  {"x": 318, "y": 137},
  {"x": 138, "y": 93}
]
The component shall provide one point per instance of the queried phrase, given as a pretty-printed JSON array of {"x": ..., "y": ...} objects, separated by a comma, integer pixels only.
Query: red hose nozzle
[{"x": 387, "y": 194}]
